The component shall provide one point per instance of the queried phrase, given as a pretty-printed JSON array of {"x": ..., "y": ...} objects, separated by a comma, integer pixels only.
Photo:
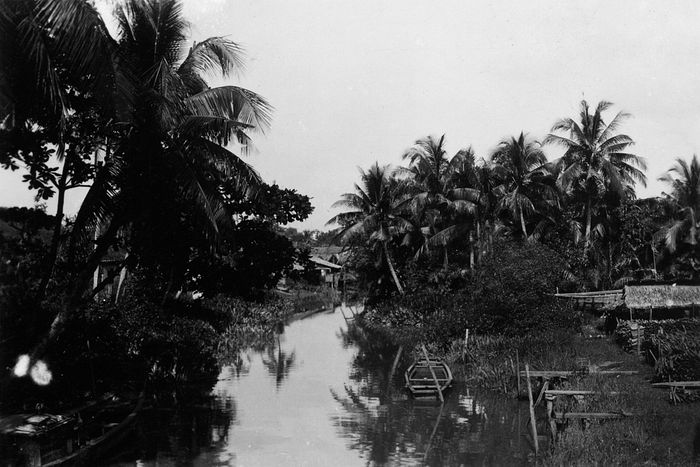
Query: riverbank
[{"x": 658, "y": 433}]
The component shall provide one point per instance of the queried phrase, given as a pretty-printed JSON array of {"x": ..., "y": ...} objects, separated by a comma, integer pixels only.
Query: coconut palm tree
[
  {"x": 596, "y": 162},
  {"x": 172, "y": 159},
  {"x": 468, "y": 189},
  {"x": 441, "y": 196},
  {"x": 56, "y": 56},
  {"x": 374, "y": 213},
  {"x": 684, "y": 179},
  {"x": 159, "y": 186},
  {"x": 526, "y": 186}
]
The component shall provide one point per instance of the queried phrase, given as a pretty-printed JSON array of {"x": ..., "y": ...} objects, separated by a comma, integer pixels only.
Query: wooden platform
[
  {"x": 676, "y": 389},
  {"x": 577, "y": 392},
  {"x": 590, "y": 415},
  {"x": 677, "y": 384},
  {"x": 565, "y": 374},
  {"x": 594, "y": 300}
]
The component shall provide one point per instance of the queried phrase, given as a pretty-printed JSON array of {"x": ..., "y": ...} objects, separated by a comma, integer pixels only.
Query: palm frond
[
  {"x": 213, "y": 54},
  {"x": 218, "y": 129},
  {"x": 234, "y": 103}
]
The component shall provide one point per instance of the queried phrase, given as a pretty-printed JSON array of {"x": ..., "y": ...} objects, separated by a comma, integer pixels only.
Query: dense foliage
[
  {"x": 171, "y": 209},
  {"x": 671, "y": 346},
  {"x": 510, "y": 294},
  {"x": 583, "y": 205}
]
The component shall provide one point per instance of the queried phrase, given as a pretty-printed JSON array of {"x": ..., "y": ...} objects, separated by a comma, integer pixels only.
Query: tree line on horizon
[{"x": 583, "y": 205}]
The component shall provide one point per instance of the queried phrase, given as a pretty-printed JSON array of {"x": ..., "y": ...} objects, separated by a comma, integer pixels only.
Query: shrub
[
  {"x": 671, "y": 346},
  {"x": 510, "y": 294}
]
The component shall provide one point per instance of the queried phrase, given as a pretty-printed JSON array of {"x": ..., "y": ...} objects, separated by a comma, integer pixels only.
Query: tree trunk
[
  {"x": 522, "y": 224},
  {"x": 479, "y": 246},
  {"x": 93, "y": 261},
  {"x": 587, "y": 238},
  {"x": 391, "y": 269},
  {"x": 50, "y": 261},
  {"x": 471, "y": 250}
]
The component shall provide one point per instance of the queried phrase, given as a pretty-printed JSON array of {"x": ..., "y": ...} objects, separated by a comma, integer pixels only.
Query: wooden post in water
[
  {"x": 432, "y": 373},
  {"x": 533, "y": 421},
  {"x": 396, "y": 362},
  {"x": 639, "y": 340},
  {"x": 517, "y": 369},
  {"x": 464, "y": 347},
  {"x": 432, "y": 435}
]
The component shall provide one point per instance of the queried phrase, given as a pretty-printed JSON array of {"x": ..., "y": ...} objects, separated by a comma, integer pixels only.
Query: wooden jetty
[
  {"x": 676, "y": 388},
  {"x": 594, "y": 300},
  {"x": 548, "y": 374}
]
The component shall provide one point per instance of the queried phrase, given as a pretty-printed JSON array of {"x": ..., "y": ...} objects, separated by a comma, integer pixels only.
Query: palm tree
[
  {"x": 159, "y": 186},
  {"x": 53, "y": 55},
  {"x": 684, "y": 179},
  {"x": 172, "y": 160},
  {"x": 469, "y": 189},
  {"x": 596, "y": 162},
  {"x": 525, "y": 183},
  {"x": 374, "y": 213},
  {"x": 440, "y": 198}
]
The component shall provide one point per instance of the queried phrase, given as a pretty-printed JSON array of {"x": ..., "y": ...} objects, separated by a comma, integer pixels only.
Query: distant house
[
  {"x": 329, "y": 272},
  {"x": 334, "y": 254}
]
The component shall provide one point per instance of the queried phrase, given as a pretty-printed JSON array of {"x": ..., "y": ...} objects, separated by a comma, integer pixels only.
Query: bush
[
  {"x": 510, "y": 294},
  {"x": 671, "y": 346}
]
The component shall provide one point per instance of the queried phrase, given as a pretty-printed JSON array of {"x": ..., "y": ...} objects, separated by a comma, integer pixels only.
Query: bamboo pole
[
  {"x": 395, "y": 364},
  {"x": 464, "y": 347},
  {"x": 639, "y": 341},
  {"x": 432, "y": 373},
  {"x": 517, "y": 367},
  {"x": 533, "y": 421},
  {"x": 432, "y": 435}
]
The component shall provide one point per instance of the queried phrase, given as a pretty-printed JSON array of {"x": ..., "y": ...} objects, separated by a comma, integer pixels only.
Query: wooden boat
[
  {"x": 420, "y": 381},
  {"x": 75, "y": 437}
]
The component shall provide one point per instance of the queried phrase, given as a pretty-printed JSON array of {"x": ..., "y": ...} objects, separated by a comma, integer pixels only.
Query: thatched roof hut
[{"x": 662, "y": 296}]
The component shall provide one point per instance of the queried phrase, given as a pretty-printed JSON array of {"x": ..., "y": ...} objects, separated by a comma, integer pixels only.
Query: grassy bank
[{"x": 658, "y": 434}]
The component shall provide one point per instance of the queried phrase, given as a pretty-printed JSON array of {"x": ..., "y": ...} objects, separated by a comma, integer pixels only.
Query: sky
[{"x": 354, "y": 82}]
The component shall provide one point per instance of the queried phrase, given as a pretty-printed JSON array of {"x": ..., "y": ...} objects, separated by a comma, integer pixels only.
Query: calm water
[{"x": 321, "y": 396}]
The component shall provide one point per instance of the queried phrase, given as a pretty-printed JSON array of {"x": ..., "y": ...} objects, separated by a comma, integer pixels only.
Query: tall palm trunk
[
  {"x": 522, "y": 224},
  {"x": 587, "y": 238},
  {"x": 391, "y": 268},
  {"x": 50, "y": 261},
  {"x": 471, "y": 251},
  {"x": 479, "y": 246}
]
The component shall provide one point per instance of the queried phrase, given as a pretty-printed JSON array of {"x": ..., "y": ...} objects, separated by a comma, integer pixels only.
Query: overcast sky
[{"x": 355, "y": 82}]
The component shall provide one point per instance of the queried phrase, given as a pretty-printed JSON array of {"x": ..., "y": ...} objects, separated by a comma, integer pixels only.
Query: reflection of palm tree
[{"x": 279, "y": 364}]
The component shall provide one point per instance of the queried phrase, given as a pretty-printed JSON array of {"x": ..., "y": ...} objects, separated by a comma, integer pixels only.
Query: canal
[{"x": 321, "y": 395}]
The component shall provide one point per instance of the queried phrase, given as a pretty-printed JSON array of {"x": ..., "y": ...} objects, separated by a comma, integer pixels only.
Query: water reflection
[
  {"x": 185, "y": 424},
  {"x": 387, "y": 427},
  {"x": 279, "y": 363},
  {"x": 323, "y": 393}
]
